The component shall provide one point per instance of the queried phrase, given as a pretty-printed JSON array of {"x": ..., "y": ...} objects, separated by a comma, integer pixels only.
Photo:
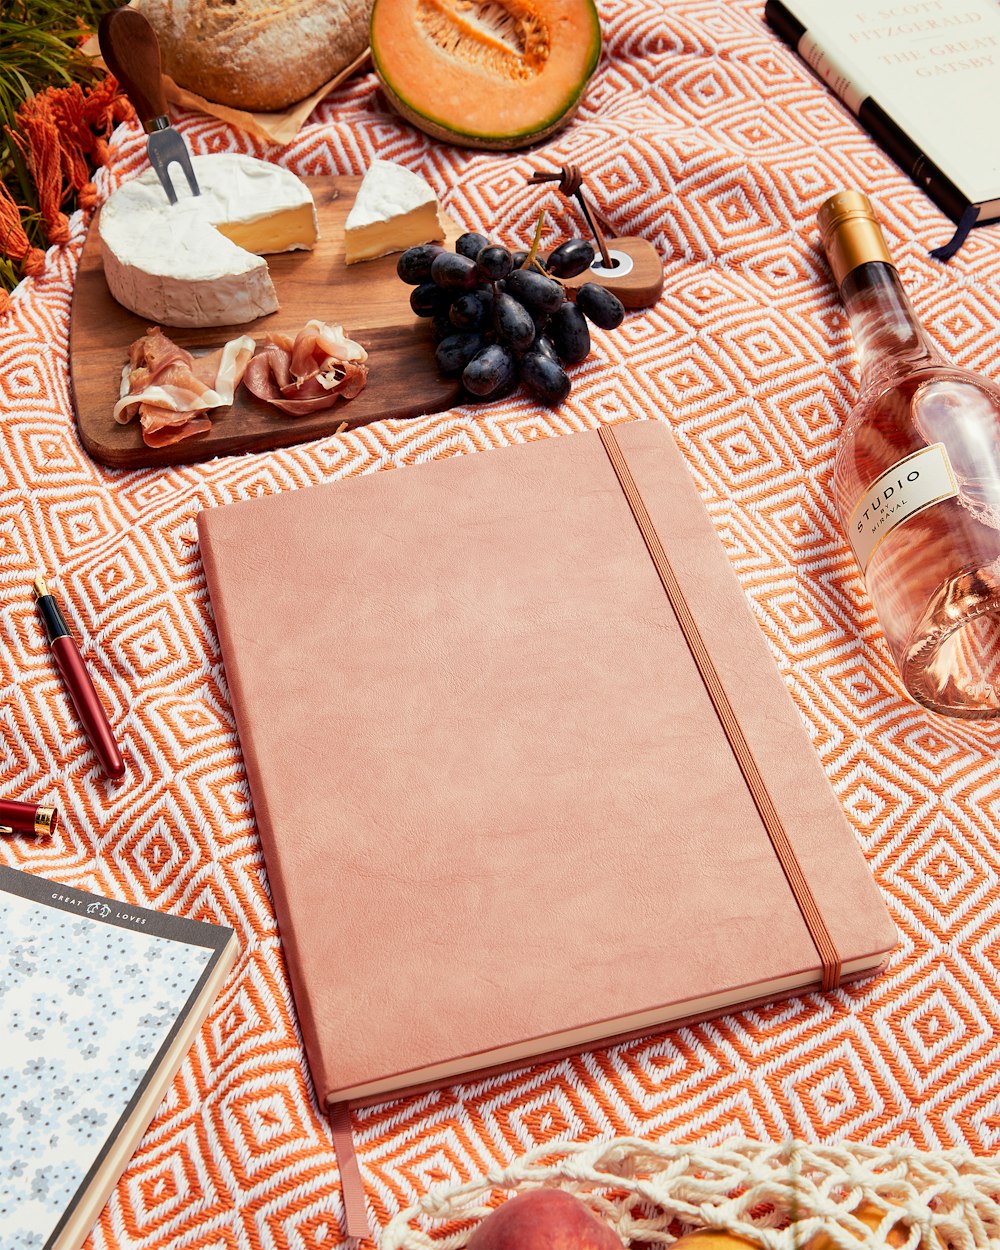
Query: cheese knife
[{"x": 132, "y": 52}]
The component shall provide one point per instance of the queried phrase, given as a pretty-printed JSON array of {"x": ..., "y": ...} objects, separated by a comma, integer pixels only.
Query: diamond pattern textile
[{"x": 703, "y": 133}]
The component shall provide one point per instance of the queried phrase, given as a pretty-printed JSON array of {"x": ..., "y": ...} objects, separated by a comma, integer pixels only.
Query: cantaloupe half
[{"x": 485, "y": 73}]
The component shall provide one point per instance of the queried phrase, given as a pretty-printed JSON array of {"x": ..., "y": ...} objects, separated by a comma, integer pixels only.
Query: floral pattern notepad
[{"x": 96, "y": 1000}]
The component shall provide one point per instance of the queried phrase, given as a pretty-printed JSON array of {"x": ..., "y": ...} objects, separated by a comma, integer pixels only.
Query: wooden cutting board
[{"x": 367, "y": 299}]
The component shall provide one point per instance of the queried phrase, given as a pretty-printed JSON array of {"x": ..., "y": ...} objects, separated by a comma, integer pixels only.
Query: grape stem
[
  {"x": 532, "y": 257},
  {"x": 532, "y": 261}
]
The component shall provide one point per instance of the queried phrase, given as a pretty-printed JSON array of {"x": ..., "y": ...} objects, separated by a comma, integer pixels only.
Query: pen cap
[
  {"x": 46, "y": 821},
  {"x": 17, "y": 817}
]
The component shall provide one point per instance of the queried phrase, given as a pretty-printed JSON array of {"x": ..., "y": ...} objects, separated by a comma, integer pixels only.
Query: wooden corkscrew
[{"x": 627, "y": 265}]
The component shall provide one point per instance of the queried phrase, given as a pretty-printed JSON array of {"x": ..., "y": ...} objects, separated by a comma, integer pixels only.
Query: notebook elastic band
[{"x": 818, "y": 931}]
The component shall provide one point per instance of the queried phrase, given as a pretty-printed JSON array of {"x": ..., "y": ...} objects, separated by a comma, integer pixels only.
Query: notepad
[
  {"x": 503, "y": 813},
  {"x": 100, "y": 1002}
]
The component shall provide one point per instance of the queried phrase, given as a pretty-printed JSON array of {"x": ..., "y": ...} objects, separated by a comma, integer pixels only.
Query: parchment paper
[{"x": 271, "y": 127}]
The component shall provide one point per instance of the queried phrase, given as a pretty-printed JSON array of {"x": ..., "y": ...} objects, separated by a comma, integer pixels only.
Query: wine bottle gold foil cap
[{"x": 850, "y": 233}]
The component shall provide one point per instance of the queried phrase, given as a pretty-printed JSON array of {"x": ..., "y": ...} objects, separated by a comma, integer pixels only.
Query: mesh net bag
[{"x": 777, "y": 1196}]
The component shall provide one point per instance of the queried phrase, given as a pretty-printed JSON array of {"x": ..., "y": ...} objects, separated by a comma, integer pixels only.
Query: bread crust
[{"x": 259, "y": 55}]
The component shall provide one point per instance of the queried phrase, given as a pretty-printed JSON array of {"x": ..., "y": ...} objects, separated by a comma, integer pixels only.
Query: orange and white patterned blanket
[{"x": 704, "y": 134}]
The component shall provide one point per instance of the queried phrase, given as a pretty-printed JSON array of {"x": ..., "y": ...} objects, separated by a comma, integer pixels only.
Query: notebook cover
[
  {"x": 498, "y": 810},
  {"x": 905, "y": 79},
  {"x": 137, "y": 984}
]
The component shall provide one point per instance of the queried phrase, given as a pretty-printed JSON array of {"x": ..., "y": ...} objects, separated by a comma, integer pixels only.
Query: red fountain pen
[{"x": 81, "y": 689}]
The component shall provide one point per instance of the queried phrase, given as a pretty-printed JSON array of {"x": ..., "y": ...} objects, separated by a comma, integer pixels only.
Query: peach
[{"x": 544, "y": 1219}]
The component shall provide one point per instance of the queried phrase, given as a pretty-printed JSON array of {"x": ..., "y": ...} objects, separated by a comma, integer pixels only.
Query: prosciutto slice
[
  {"x": 172, "y": 391},
  {"x": 308, "y": 373}
]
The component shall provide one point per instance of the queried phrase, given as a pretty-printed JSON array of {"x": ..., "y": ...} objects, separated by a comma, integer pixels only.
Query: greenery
[{"x": 39, "y": 48}]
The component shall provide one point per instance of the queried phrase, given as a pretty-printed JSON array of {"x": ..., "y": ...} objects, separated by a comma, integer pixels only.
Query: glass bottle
[{"x": 917, "y": 480}]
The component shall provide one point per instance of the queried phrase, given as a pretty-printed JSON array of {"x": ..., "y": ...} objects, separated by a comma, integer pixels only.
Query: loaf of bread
[{"x": 258, "y": 55}]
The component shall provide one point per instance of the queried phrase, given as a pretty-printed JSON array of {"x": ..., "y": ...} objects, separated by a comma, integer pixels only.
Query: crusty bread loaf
[{"x": 259, "y": 55}]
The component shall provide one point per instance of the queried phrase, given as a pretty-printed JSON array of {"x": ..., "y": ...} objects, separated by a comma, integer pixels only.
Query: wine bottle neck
[{"x": 889, "y": 338}]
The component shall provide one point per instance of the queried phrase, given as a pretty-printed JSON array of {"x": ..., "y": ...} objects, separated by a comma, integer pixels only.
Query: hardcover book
[
  {"x": 923, "y": 80},
  {"x": 101, "y": 1002},
  {"x": 526, "y": 777}
]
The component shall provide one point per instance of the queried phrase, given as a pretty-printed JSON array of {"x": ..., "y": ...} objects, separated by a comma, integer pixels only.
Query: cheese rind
[
  {"x": 393, "y": 210},
  {"x": 169, "y": 262}
]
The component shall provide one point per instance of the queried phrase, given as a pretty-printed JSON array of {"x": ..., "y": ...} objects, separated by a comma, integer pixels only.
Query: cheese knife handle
[{"x": 131, "y": 51}]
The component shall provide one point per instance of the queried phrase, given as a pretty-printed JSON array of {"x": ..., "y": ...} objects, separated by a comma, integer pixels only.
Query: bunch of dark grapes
[{"x": 498, "y": 320}]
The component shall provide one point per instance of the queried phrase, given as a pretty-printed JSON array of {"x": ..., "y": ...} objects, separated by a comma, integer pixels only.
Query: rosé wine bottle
[{"x": 917, "y": 480}]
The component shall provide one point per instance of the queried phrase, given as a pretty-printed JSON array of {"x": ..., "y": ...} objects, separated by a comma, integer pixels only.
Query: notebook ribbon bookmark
[
  {"x": 799, "y": 885},
  {"x": 352, "y": 1187}
]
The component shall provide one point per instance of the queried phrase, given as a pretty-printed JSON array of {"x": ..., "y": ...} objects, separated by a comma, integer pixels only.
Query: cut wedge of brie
[
  {"x": 393, "y": 210},
  {"x": 198, "y": 262}
]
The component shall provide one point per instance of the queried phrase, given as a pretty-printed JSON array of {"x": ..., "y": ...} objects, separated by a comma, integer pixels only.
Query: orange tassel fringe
[{"x": 63, "y": 134}]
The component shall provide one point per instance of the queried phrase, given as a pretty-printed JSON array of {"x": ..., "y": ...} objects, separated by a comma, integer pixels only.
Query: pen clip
[{"x": 6, "y": 829}]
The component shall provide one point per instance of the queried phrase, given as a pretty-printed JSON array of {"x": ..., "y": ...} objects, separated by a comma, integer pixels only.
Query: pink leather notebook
[{"x": 525, "y": 773}]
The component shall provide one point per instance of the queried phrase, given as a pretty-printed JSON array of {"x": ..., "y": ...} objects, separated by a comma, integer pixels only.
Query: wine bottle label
[{"x": 912, "y": 484}]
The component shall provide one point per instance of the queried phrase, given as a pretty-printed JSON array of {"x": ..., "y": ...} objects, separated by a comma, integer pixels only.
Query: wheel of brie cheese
[{"x": 199, "y": 262}]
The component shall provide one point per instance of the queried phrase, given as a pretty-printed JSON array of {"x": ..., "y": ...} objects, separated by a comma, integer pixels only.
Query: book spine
[{"x": 855, "y": 95}]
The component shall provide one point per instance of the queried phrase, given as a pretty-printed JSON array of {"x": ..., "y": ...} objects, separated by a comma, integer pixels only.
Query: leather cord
[
  {"x": 570, "y": 181},
  {"x": 797, "y": 881}
]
